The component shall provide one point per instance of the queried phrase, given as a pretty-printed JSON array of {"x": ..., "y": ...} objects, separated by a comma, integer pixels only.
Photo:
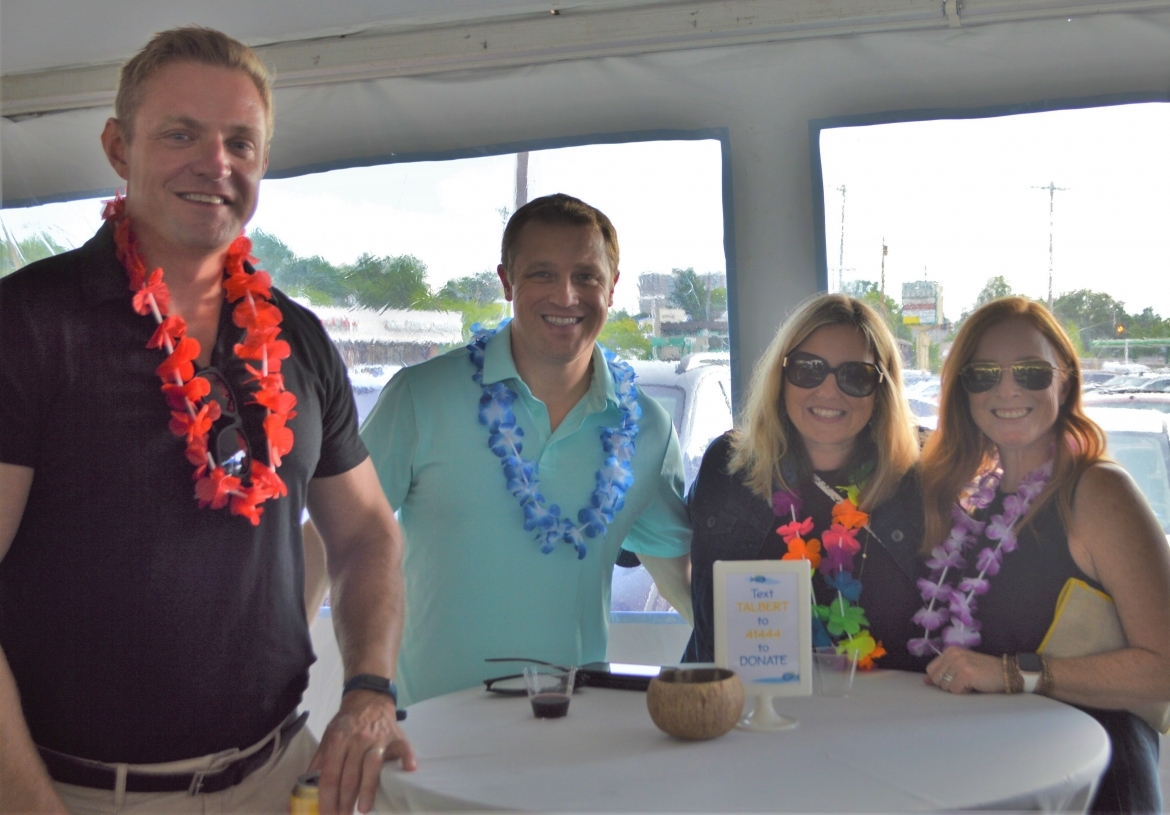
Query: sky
[
  {"x": 955, "y": 200},
  {"x": 665, "y": 199}
]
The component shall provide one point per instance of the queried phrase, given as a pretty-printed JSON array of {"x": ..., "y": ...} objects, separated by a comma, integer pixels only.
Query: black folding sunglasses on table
[
  {"x": 513, "y": 684},
  {"x": 594, "y": 674}
]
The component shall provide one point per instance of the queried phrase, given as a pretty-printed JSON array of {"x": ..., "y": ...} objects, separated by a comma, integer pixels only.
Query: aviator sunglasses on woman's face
[
  {"x": 980, "y": 377},
  {"x": 853, "y": 378}
]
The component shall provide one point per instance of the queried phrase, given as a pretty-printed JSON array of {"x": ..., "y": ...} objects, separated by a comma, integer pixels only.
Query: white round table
[{"x": 894, "y": 745}]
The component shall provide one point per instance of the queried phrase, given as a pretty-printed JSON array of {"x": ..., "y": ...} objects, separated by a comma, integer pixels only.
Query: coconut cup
[{"x": 695, "y": 703}]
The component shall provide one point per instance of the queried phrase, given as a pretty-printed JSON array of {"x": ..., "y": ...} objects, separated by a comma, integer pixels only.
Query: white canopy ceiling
[{"x": 358, "y": 79}]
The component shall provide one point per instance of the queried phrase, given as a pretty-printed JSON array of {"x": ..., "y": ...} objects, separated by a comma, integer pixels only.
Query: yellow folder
[{"x": 1086, "y": 622}]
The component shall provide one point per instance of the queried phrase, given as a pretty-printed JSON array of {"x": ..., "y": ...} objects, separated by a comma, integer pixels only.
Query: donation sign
[{"x": 763, "y": 624}]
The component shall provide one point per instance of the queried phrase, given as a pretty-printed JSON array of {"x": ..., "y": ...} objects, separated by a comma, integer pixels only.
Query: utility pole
[
  {"x": 521, "y": 179},
  {"x": 885, "y": 251},
  {"x": 841, "y": 249},
  {"x": 1052, "y": 191}
]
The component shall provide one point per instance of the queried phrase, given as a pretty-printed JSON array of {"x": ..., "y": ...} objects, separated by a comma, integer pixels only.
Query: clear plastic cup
[
  {"x": 833, "y": 672},
  {"x": 549, "y": 690}
]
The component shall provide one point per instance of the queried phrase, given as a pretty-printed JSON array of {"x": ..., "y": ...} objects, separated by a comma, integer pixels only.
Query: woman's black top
[
  {"x": 1017, "y": 612},
  {"x": 730, "y": 522}
]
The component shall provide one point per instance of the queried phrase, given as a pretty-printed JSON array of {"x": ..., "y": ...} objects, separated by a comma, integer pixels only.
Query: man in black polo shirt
[{"x": 160, "y": 434}]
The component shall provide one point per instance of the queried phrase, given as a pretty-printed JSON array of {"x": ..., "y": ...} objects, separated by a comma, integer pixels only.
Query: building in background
[
  {"x": 686, "y": 311},
  {"x": 390, "y": 337},
  {"x": 922, "y": 311}
]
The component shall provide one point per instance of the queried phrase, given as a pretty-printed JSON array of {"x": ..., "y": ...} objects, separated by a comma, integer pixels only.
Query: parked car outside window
[
  {"x": 1139, "y": 440},
  {"x": 696, "y": 392},
  {"x": 1140, "y": 400}
]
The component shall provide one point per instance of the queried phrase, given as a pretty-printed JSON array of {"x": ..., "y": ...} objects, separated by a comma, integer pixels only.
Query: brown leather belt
[{"x": 68, "y": 769}]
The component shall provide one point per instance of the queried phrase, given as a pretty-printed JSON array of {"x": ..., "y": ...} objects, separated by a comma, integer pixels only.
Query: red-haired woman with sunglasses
[
  {"x": 821, "y": 467},
  {"x": 1019, "y": 500}
]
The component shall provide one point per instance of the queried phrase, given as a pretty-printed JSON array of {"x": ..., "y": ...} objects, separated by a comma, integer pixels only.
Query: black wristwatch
[
  {"x": 377, "y": 684},
  {"x": 1032, "y": 669}
]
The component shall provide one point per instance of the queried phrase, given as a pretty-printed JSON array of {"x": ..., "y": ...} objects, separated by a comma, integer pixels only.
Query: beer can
[{"x": 304, "y": 795}]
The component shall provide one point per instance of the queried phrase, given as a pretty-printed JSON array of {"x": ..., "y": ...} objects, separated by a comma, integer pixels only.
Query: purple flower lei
[
  {"x": 950, "y": 608},
  {"x": 614, "y": 477}
]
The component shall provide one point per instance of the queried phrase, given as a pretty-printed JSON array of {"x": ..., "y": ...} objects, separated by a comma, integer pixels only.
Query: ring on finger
[{"x": 947, "y": 677}]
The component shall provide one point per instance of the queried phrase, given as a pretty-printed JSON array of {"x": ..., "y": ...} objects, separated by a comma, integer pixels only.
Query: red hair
[{"x": 958, "y": 450}]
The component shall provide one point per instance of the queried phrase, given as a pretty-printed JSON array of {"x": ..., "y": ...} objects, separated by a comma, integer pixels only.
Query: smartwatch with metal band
[
  {"x": 377, "y": 684},
  {"x": 1031, "y": 668}
]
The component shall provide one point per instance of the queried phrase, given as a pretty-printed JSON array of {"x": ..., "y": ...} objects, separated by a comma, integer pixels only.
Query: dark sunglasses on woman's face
[
  {"x": 853, "y": 378},
  {"x": 228, "y": 444},
  {"x": 980, "y": 377}
]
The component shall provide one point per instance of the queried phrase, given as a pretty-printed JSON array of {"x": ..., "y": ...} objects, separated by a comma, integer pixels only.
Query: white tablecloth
[{"x": 893, "y": 745}]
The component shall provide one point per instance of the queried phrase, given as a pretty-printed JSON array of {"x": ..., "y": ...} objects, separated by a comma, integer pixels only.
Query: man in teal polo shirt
[{"x": 444, "y": 439}]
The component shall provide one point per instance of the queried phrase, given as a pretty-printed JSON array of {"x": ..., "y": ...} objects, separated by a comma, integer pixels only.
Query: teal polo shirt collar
[{"x": 498, "y": 366}]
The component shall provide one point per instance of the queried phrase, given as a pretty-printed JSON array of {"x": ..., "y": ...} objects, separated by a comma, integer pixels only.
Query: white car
[
  {"x": 367, "y": 382},
  {"x": 696, "y": 392},
  {"x": 1139, "y": 440},
  {"x": 1140, "y": 400}
]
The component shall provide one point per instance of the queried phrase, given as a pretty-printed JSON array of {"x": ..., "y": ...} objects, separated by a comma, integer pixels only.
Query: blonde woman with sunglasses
[
  {"x": 1019, "y": 501},
  {"x": 821, "y": 467}
]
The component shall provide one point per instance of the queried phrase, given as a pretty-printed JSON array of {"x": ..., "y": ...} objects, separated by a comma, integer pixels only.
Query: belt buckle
[{"x": 196, "y": 782}]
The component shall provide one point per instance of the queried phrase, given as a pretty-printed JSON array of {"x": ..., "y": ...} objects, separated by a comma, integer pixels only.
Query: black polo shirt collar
[{"x": 107, "y": 279}]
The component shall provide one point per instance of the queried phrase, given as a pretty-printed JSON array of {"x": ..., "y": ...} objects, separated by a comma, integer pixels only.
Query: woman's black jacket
[{"x": 730, "y": 522}]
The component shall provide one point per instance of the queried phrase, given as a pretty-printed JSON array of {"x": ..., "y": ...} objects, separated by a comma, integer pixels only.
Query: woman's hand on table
[
  {"x": 958, "y": 670},
  {"x": 362, "y": 736}
]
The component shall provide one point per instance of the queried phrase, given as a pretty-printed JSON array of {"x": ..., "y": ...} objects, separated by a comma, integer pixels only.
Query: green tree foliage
[
  {"x": 868, "y": 292},
  {"x": 483, "y": 289},
  {"x": 389, "y": 282},
  {"x": 1092, "y": 315},
  {"x": 479, "y": 298},
  {"x": 315, "y": 279},
  {"x": 1146, "y": 324},
  {"x": 622, "y": 335},
  {"x": 993, "y": 289},
  {"x": 693, "y": 294},
  {"x": 16, "y": 253}
]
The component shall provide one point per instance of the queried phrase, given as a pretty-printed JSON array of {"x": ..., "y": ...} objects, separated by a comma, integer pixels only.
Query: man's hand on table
[{"x": 362, "y": 736}]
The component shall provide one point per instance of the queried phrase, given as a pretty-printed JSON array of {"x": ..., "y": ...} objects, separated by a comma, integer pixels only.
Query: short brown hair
[
  {"x": 958, "y": 451},
  {"x": 188, "y": 44},
  {"x": 558, "y": 208}
]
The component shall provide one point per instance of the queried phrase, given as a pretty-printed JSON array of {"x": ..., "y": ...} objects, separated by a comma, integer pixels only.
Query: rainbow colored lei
[{"x": 841, "y": 622}]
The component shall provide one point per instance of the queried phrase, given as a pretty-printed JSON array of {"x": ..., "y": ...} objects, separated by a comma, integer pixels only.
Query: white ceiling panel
[{"x": 36, "y": 35}]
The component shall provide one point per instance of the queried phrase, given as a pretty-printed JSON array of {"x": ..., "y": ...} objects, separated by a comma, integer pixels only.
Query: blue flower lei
[{"x": 614, "y": 477}]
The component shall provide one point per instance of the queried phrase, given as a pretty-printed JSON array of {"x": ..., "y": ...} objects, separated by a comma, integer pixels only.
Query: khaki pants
[{"x": 265, "y": 791}]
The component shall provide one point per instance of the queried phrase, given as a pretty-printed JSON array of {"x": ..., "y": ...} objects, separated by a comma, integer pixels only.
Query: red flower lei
[{"x": 191, "y": 417}]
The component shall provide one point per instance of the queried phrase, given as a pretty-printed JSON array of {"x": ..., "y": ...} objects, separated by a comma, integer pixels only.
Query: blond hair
[
  {"x": 958, "y": 450},
  {"x": 767, "y": 436},
  {"x": 205, "y": 46}
]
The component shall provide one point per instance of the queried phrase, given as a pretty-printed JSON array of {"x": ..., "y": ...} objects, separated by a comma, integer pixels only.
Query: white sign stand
[{"x": 763, "y": 632}]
